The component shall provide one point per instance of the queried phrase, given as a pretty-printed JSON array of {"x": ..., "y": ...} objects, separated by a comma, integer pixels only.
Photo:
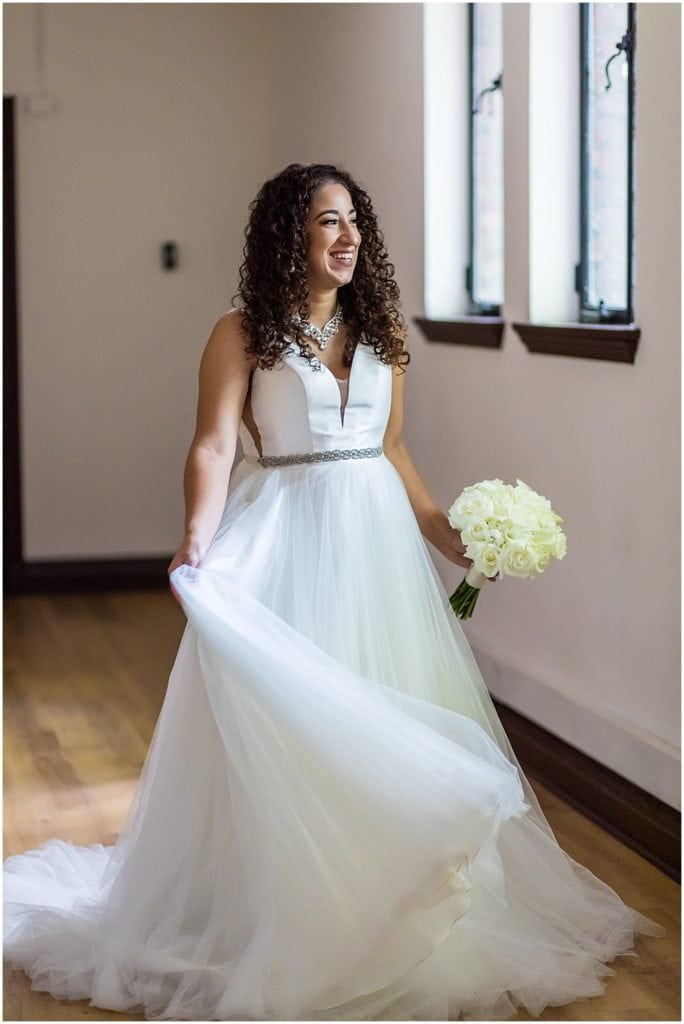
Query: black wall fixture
[{"x": 169, "y": 255}]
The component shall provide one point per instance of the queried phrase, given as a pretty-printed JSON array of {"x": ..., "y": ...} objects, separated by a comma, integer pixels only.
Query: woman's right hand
[{"x": 191, "y": 552}]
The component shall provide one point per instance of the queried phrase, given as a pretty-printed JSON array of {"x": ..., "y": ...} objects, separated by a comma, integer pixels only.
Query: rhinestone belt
[{"x": 329, "y": 456}]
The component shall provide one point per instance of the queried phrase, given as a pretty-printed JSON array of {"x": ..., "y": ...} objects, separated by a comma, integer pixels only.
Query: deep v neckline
[{"x": 348, "y": 382}]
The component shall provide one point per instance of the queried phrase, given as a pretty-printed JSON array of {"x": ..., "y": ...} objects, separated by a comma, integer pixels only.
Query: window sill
[
  {"x": 614, "y": 342},
  {"x": 481, "y": 331}
]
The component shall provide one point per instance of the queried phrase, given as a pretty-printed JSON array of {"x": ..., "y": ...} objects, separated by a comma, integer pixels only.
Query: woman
[{"x": 330, "y": 822}]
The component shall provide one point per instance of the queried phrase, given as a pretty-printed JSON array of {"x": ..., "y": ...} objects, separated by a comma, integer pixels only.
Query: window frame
[
  {"x": 482, "y": 327},
  {"x": 613, "y": 338},
  {"x": 476, "y": 309},
  {"x": 588, "y": 312},
  {"x": 610, "y": 335}
]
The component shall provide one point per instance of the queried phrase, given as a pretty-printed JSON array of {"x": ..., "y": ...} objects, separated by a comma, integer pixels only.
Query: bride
[{"x": 330, "y": 823}]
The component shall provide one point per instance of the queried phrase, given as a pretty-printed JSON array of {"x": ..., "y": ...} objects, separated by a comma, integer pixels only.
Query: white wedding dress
[{"x": 330, "y": 822}]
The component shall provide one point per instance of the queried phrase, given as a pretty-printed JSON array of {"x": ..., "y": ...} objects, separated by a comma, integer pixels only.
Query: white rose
[
  {"x": 486, "y": 559},
  {"x": 502, "y": 496},
  {"x": 525, "y": 494},
  {"x": 545, "y": 537},
  {"x": 490, "y": 486},
  {"x": 503, "y": 502},
  {"x": 475, "y": 532},
  {"x": 518, "y": 560},
  {"x": 469, "y": 505},
  {"x": 543, "y": 558},
  {"x": 514, "y": 531},
  {"x": 561, "y": 545},
  {"x": 524, "y": 513}
]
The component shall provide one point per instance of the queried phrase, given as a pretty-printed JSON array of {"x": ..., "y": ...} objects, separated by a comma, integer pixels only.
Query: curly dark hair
[{"x": 273, "y": 282}]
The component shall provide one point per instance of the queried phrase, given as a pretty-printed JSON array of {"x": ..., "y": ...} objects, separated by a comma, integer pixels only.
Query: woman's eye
[{"x": 333, "y": 222}]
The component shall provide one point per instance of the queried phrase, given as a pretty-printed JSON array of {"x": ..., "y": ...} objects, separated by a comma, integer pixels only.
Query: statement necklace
[{"x": 321, "y": 335}]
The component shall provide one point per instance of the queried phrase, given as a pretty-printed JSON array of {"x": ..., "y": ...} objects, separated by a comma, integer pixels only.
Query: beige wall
[
  {"x": 199, "y": 106},
  {"x": 350, "y": 92},
  {"x": 162, "y": 132}
]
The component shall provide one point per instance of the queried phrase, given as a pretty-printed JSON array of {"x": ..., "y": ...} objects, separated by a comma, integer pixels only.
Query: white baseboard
[{"x": 634, "y": 753}]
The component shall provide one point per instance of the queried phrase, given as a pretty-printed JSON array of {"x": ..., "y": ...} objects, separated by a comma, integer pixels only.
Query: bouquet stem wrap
[{"x": 465, "y": 596}]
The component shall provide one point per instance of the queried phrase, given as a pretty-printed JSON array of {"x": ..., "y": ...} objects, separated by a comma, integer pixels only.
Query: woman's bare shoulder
[{"x": 229, "y": 339}]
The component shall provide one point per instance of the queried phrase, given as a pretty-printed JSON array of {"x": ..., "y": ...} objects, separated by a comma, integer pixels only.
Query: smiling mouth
[{"x": 345, "y": 259}]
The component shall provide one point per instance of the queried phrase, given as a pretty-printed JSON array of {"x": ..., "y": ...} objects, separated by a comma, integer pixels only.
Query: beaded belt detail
[{"x": 329, "y": 456}]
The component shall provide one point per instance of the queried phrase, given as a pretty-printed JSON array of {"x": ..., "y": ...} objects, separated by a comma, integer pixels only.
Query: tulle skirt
[{"x": 330, "y": 822}]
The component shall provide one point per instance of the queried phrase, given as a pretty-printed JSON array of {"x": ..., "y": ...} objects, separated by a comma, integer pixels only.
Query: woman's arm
[
  {"x": 223, "y": 386},
  {"x": 433, "y": 522}
]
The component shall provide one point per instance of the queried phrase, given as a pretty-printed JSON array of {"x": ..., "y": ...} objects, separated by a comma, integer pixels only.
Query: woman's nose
[{"x": 350, "y": 233}]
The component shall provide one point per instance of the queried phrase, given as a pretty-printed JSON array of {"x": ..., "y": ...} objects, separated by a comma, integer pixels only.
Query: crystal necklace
[{"x": 321, "y": 335}]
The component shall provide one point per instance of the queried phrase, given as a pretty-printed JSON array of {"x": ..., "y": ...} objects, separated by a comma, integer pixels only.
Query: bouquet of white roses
[{"x": 512, "y": 531}]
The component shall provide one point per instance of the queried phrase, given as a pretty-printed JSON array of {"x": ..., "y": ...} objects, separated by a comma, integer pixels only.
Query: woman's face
[{"x": 333, "y": 238}]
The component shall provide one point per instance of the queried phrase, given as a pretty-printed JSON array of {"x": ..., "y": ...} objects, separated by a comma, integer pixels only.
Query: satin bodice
[{"x": 299, "y": 409}]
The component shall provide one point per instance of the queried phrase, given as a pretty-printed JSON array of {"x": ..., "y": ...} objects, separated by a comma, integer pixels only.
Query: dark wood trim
[
  {"x": 482, "y": 331},
  {"x": 641, "y": 821},
  {"x": 11, "y": 466},
  {"x": 614, "y": 342},
  {"x": 55, "y": 577}
]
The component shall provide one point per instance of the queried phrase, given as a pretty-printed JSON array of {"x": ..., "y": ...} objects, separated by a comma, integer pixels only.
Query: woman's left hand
[{"x": 448, "y": 541}]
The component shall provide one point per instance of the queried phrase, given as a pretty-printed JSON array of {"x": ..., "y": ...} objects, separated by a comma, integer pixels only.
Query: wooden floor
[{"x": 85, "y": 677}]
